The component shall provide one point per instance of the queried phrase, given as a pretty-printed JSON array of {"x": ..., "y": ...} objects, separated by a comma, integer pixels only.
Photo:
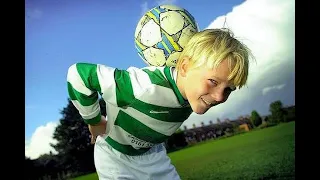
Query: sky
[{"x": 60, "y": 33}]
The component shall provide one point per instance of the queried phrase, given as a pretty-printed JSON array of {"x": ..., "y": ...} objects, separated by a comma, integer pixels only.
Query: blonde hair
[{"x": 211, "y": 46}]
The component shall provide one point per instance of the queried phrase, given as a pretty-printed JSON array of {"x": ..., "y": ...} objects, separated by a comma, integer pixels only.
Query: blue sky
[{"x": 59, "y": 33}]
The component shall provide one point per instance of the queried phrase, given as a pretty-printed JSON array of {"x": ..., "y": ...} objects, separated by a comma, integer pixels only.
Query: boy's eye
[{"x": 213, "y": 82}]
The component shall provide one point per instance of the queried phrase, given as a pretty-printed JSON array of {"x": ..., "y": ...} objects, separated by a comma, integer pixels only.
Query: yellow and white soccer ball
[{"x": 162, "y": 33}]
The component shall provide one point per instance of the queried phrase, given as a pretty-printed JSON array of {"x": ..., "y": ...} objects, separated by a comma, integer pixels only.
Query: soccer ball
[{"x": 162, "y": 33}]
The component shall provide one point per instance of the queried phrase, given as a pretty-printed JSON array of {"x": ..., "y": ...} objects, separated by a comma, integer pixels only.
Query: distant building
[{"x": 213, "y": 131}]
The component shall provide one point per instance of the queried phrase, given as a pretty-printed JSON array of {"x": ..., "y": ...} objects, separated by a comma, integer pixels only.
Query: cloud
[
  {"x": 270, "y": 88},
  {"x": 267, "y": 28},
  {"x": 40, "y": 141}
]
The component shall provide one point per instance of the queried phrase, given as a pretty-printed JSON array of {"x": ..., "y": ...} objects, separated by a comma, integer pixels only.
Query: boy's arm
[
  {"x": 86, "y": 80},
  {"x": 83, "y": 89}
]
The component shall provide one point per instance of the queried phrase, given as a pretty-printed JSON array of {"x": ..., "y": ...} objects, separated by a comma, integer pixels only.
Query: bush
[
  {"x": 255, "y": 118},
  {"x": 266, "y": 124}
]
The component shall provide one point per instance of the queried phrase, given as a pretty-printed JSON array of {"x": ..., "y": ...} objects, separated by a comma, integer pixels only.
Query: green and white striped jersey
[{"x": 144, "y": 106}]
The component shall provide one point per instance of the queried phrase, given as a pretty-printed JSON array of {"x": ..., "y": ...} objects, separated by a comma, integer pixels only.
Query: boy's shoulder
[
  {"x": 154, "y": 73},
  {"x": 156, "y": 86}
]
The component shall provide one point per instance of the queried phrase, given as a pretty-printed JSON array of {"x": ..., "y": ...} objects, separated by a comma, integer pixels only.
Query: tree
[
  {"x": 30, "y": 169},
  {"x": 277, "y": 113},
  {"x": 185, "y": 127},
  {"x": 255, "y": 118},
  {"x": 218, "y": 121},
  {"x": 176, "y": 141},
  {"x": 290, "y": 114}
]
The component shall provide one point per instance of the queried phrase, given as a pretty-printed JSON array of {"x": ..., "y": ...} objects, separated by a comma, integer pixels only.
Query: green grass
[
  {"x": 260, "y": 154},
  {"x": 92, "y": 176}
]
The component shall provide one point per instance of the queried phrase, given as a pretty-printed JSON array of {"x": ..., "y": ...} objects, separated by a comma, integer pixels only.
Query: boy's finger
[{"x": 93, "y": 139}]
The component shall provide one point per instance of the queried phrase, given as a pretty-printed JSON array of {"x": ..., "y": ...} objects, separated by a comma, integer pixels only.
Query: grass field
[{"x": 260, "y": 154}]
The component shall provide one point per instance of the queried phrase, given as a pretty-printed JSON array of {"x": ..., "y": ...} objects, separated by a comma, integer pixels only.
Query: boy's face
[{"x": 205, "y": 87}]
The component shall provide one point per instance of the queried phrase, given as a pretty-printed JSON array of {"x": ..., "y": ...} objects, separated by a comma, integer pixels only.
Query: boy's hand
[{"x": 98, "y": 129}]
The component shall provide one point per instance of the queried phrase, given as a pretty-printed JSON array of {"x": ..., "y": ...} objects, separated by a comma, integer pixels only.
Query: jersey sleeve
[{"x": 86, "y": 81}]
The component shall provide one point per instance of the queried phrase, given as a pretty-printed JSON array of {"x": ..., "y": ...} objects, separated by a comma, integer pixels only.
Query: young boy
[{"x": 145, "y": 106}]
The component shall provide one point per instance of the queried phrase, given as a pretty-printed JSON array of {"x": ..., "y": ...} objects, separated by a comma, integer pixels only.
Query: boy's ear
[{"x": 184, "y": 66}]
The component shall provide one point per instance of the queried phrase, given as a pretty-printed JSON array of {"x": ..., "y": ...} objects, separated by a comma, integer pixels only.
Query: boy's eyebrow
[
  {"x": 219, "y": 79},
  {"x": 230, "y": 85}
]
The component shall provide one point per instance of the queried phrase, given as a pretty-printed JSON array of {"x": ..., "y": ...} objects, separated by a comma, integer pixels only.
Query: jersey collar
[{"x": 167, "y": 72}]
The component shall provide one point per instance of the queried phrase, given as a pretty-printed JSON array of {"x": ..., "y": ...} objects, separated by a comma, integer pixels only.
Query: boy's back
[{"x": 144, "y": 106}]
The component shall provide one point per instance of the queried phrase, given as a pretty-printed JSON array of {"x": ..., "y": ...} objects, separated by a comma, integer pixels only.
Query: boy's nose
[{"x": 217, "y": 96}]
